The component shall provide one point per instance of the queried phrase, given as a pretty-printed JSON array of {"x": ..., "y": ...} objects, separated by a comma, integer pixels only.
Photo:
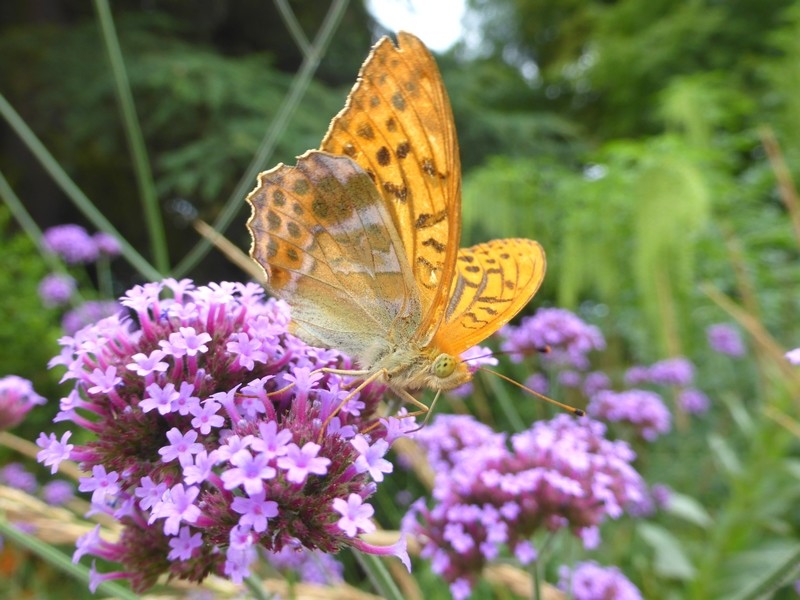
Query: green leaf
[
  {"x": 724, "y": 454},
  {"x": 669, "y": 560},
  {"x": 690, "y": 510},
  {"x": 757, "y": 573}
]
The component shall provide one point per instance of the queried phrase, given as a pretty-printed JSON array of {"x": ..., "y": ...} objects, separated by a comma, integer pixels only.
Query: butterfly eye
[{"x": 444, "y": 365}]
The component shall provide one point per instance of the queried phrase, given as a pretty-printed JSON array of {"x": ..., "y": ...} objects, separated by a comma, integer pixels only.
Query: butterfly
[{"x": 361, "y": 237}]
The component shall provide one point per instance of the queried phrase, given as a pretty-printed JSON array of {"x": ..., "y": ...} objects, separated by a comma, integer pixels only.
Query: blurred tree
[
  {"x": 605, "y": 63},
  {"x": 207, "y": 79}
]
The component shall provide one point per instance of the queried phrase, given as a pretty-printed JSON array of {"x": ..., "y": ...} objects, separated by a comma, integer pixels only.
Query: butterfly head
[{"x": 448, "y": 372}]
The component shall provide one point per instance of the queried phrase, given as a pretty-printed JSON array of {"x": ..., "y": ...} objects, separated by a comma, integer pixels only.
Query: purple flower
[
  {"x": 310, "y": 566},
  {"x": 538, "y": 383},
  {"x": 595, "y": 382},
  {"x": 56, "y": 289},
  {"x": 661, "y": 494},
  {"x": 693, "y": 401},
  {"x": 563, "y": 336},
  {"x": 102, "y": 485},
  {"x": 72, "y": 243},
  {"x": 58, "y": 492},
  {"x": 590, "y": 581},
  {"x": 560, "y": 474},
  {"x": 16, "y": 476},
  {"x": 181, "y": 447},
  {"x": 672, "y": 371},
  {"x": 176, "y": 507},
  {"x": 642, "y": 409},
  {"x": 300, "y": 462},
  {"x": 637, "y": 375},
  {"x": 17, "y": 398},
  {"x": 184, "y": 544},
  {"x": 371, "y": 457},
  {"x": 478, "y": 356},
  {"x": 107, "y": 244},
  {"x": 53, "y": 451},
  {"x": 355, "y": 515},
  {"x": 195, "y": 436},
  {"x": 88, "y": 313},
  {"x": 725, "y": 339},
  {"x": 255, "y": 510},
  {"x": 793, "y": 356}
]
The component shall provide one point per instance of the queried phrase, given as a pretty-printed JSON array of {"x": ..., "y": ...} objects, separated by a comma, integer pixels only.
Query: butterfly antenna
[
  {"x": 571, "y": 409},
  {"x": 540, "y": 349}
]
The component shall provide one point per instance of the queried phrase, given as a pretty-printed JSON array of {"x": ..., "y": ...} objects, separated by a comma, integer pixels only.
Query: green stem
[
  {"x": 27, "y": 223},
  {"x": 378, "y": 575},
  {"x": 290, "y": 103},
  {"x": 293, "y": 26},
  {"x": 133, "y": 133},
  {"x": 104, "y": 281},
  {"x": 506, "y": 403},
  {"x": 59, "y": 560},
  {"x": 30, "y": 227},
  {"x": 256, "y": 589},
  {"x": 536, "y": 592},
  {"x": 72, "y": 191}
]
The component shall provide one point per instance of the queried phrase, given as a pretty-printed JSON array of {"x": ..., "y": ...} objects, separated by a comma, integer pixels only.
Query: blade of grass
[
  {"x": 27, "y": 223},
  {"x": 290, "y": 103},
  {"x": 72, "y": 191},
  {"x": 293, "y": 26},
  {"x": 59, "y": 560},
  {"x": 786, "y": 186},
  {"x": 133, "y": 133},
  {"x": 756, "y": 329},
  {"x": 378, "y": 575}
]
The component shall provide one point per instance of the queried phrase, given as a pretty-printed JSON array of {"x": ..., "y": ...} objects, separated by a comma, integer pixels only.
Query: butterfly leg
[
  {"x": 350, "y": 372},
  {"x": 373, "y": 377},
  {"x": 424, "y": 409},
  {"x": 428, "y": 411}
]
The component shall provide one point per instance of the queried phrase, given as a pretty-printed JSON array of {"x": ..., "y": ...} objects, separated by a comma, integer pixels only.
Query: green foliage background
[{"x": 625, "y": 136}]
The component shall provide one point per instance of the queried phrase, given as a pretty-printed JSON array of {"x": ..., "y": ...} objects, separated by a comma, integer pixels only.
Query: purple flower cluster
[
  {"x": 642, "y": 409},
  {"x": 563, "y": 335},
  {"x": 75, "y": 246},
  {"x": 72, "y": 243},
  {"x": 725, "y": 339},
  {"x": 17, "y": 398},
  {"x": 311, "y": 566},
  {"x": 107, "y": 244},
  {"x": 55, "y": 493},
  {"x": 216, "y": 433},
  {"x": 693, "y": 402},
  {"x": 56, "y": 289},
  {"x": 559, "y": 474},
  {"x": 677, "y": 371},
  {"x": 16, "y": 476},
  {"x": 87, "y": 313},
  {"x": 591, "y": 581}
]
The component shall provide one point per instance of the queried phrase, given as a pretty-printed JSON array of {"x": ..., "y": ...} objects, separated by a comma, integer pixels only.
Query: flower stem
[{"x": 378, "y": 575}]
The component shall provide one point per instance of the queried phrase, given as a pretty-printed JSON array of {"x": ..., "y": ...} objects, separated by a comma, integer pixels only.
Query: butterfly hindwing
[
  {"x": 398, "y": 125},
  {"x": 493, "y": 282},
  {"x": 329, "y": 247}
]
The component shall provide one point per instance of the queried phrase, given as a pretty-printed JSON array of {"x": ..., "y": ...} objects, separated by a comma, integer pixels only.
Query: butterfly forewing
[
  {"x": 398, "y": 125},
  {"x": 361, "y": 237},
  {"x": 329, "y": 247},
  {"x": 493, "y": 282}
]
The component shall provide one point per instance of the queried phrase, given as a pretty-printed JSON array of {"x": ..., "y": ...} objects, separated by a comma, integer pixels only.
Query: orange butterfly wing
[
  {"x": 323, "y": 236},
  {"x": 493, "y": 282},
  {"x": 398, "y": 126}
]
